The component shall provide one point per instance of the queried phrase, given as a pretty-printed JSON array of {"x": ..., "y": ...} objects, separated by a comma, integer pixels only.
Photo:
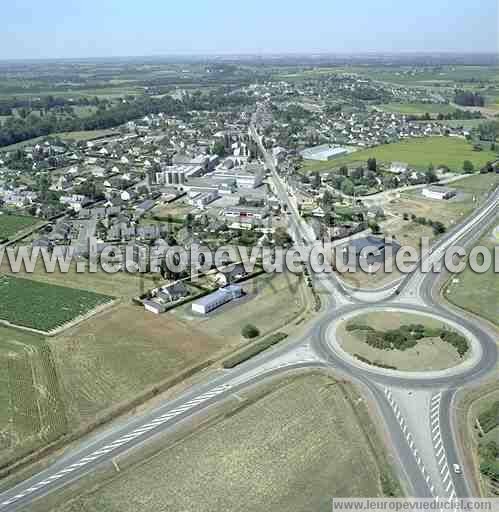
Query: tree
[
  {"x": 316, "y": 180},
  {"x": 431, "y": 175},
  {"x": 282, "y": 237},
  {"x": 375, "y": 228},
  {"x": 372, "y": 165},
  {"x": 438, "y": 228},
  {"x": 249, "y": 331},
  {"x": 218, "y": 149},
  {"x": 327, "y": 200},
  {"x": 347, "y": 187},
  {"x": 468, "y": 167}
]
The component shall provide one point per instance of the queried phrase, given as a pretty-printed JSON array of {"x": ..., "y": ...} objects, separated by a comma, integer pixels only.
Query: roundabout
[
  {"x": 480, "y": 360},
  {"x": 428, "y": 356}
]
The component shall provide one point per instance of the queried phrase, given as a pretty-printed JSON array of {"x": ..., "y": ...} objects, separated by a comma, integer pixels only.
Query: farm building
[
  {"x": 439, "y": 193},
  {"x": 206, "y": 304}
]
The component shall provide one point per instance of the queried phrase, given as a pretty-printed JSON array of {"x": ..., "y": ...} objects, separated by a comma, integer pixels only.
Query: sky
[{"x": 108, "y": 28}]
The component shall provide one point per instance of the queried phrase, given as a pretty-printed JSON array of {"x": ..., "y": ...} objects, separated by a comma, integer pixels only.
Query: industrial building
[
  {"x": 323, "y": 153},
  {"x": 439, "y": 193},
  {"x": 206, "y": 304}
]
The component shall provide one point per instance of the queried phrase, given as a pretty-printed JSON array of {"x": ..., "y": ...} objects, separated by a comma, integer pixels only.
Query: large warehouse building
[
  {"x": 323, "y": 153},
  {"x": 216, "y": 299}
]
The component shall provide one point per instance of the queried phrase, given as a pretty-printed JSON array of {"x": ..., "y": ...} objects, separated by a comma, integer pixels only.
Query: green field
[
  {"x": 478, "y": 293},
  {"x": 419, "y": 153},
  {"x": 420, "y": 76},
  {"x": 31, "y": 409},
  {"x": 11, "y": 225},
  {"x": 417, "y": 108},
  {"x": 43, "y": 306}
]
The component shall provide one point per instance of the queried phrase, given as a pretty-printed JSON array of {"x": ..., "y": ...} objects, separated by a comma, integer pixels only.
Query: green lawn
[
  {"x": 419, "y": 153},
  {"x": 478, "y": 293},
  {"x": 43, "y": 306},
  {"x": 10, "y": 225},
  {"x": 417, "y": 108}
]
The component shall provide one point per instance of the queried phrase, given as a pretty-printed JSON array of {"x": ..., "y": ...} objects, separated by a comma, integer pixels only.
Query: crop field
[
  {"x": 43, "y": 306},
  {"x": 419, "y": 153},
  {"x": 31, "y": 410},
  {"x": 288, "y": 447},
  {"x": 11, "y": 225},
  {"x": 122, "y": 352},
  {"x": 417, "y": 108},
  {"x": 408, "y": 75}
]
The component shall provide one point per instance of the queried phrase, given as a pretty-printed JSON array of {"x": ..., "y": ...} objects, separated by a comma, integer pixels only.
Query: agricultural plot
[
  {"x": 42, "y": 306},
  {"x": 11, "y": 225},
  {"x": 418, "y": 153},
  {"x": 288, "y": 447},
  {"x": 31, "y": 410}
]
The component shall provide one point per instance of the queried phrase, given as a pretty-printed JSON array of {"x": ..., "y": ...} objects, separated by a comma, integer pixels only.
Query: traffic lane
[{"x": 168, "y": 427}]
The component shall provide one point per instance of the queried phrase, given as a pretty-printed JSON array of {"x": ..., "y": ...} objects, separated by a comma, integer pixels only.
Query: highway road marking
[
  {"x": 438, "y": 445},
  {"x": 140, "y": 431},
  {"x": 410, "y": 438}
]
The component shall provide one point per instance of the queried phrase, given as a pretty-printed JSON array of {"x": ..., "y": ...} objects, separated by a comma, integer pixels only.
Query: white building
[
  {"x": 398, "y": 167},
  {"x": 439, "y": 193},
  {"x": 323, "y": 153},
  {"x": 206, "y": 304},
  {"x": 202, "y": 199}
]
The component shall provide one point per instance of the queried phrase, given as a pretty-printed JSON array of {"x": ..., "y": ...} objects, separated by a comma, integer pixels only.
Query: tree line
[
  {"x": 16, "y": 130},
  {"x": 469, "y": 99}
]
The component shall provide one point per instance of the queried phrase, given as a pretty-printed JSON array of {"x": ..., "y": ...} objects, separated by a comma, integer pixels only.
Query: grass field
[
  {"x": 417, "y": 108},
  {"x": 290, "y": 449},
  {"x": 408, "y": 75},
  {"x": 121, "y": 353},
  {"x": 31, "y": 408},
  {"x": 42, "y": 306},
  {"x": 478, "y": 293},
  {"x": 11, "y": 225},
  {"x": 419, "y": 153},
  {"x": 273, "y": 300},
  {"x": 430, "y": 354}
]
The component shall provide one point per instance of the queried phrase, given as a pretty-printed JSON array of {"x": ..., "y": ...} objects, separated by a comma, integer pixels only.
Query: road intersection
[{"x": 416, "y": 408}]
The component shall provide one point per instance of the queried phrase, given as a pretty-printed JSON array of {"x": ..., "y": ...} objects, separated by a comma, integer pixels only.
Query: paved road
[{"x": 416, "y": 409}]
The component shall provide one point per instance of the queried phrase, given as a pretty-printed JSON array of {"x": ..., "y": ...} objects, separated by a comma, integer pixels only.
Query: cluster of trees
[
  {"x": 16, "y": 129},
  {"x": 45, "y": 103},
  {"x": 456, "y": 340},
  {"x": 438, "y": 226},
  {"x": 489, "y": 131},
  {"x": 407, "y": 336},
  {"x": 469, "y": 99},
  {"x": 489, "y": 455}
]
